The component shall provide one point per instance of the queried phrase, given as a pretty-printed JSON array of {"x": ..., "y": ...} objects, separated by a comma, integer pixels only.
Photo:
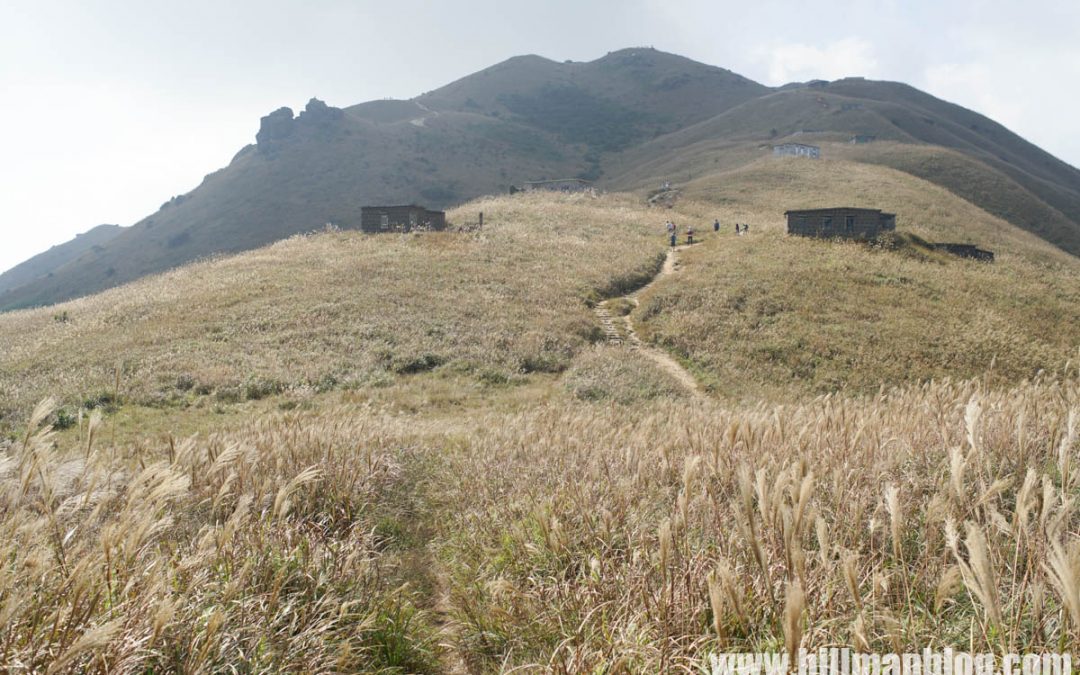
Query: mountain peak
[{"x": 630, "y": 119}]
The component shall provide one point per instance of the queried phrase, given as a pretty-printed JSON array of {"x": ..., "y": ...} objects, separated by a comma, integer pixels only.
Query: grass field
[
  {"x": 342, "y": 310},
  {"x": 772, "y": 316},
  {"x": 412, "y": 454},
  {"x": 570, "y": 537}
]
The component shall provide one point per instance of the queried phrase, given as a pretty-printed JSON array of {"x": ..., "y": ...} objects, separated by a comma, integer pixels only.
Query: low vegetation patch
[{"x": 618, "y": 375}]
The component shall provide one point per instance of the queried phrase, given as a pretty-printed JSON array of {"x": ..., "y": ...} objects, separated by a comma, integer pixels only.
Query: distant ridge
[{"x": 42, "y": 265}]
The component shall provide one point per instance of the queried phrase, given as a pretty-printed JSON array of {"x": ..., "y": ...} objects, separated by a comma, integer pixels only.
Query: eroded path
[{"x": 625, "y": 333}]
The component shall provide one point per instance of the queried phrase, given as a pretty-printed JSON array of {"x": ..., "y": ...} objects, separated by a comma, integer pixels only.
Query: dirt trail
[
  {"x": 447, "y": 629},
  {"x": 627, "y": 334}
]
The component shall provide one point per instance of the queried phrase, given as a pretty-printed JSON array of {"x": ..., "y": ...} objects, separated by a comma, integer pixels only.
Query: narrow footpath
[{"x": 628, "y": 335}]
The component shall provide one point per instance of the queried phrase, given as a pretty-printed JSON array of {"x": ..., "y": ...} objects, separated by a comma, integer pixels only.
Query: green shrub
[
  {"x": 419, "y": 364},
  {"x": 64, "y": 420},
  {"x": 260, "y": 389},
  {"x": 105, "y": 400}
]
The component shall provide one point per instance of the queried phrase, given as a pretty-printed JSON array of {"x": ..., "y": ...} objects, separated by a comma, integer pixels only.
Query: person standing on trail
[
  {"x": 737, "y": 230},
  {"x": 674, "y": 239},
  {"x": 716, "y": 226},
  {"x": 690, "y": 235}
]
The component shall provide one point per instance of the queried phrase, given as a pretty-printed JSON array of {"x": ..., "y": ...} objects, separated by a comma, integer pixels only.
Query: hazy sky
[{"x": 108, "y": 108}]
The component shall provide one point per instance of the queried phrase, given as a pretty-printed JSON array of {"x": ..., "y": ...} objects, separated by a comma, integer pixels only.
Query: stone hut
[
  {"x": 845, "y": 222},
  {"x": 796, "y": 150},
  {"x": 560, "y": 185},
  {"x": 400, "y": 219}
]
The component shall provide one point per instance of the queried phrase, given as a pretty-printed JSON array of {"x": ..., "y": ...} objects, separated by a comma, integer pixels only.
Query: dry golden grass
[
  {"x": 760, "y": 192},
  {"x": 567, "y": 538},
  {"x": 767, "y": 315},
  {"x": 619, "y": 375},
  {"x": 342, "y": 309},
  {"x": 489, "y": 515},
  {"x": 263, "y": 549},
  {"x": 584, "y": 540}
]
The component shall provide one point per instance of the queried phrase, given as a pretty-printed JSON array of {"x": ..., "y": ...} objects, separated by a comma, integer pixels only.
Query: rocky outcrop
[
  {"x": 275, "y": 127},
  {"x": 318, "y": 113},
  {"x": 281, "y": 124}
]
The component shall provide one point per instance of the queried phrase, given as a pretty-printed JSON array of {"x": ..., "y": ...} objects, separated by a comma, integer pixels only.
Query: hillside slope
[
  {"x": 525, "y": 119},
  {"x": 343, "y": 310},
  {"x": 759, "y": 316},
  {"x": 769, "y": 315},
  {"x": 608, "y": 104},
  {"x": 320, "y": 167},
  {"x": 42, "y": 265},
  {"x": 630, "y": 119},
  {"x": 973, "y": 156},
  {"x": 404, "y": 453}
]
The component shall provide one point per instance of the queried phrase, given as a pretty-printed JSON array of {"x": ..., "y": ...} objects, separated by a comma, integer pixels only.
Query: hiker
[
  {"x": 690, "y": 235},
  {"x": 746, "y": 228},
  {"x": 737, "y": 231},
  {"x": 716, "y": 226},
  {"x": 674, "y": 239}
]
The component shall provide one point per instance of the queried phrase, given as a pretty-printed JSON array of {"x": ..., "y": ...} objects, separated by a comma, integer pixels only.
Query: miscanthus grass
[
  {"x": 942, "y": 514},
  {"x": 259, "y": 550},
  {"x": 604, "y": 525},
  {"x": 572, "y": 537}
]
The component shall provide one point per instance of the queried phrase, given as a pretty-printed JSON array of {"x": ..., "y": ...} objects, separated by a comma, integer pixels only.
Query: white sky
[{"x": 108, "y": 110}]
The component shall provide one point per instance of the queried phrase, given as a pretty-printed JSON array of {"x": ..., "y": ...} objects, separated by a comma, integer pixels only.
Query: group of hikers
[{"x": 673, "y": 231}]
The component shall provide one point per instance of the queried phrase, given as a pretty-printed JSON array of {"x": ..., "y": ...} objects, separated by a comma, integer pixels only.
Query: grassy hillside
[
  {"x": 947, "y": 145},
  {"x": 993, "y": 191},
  {"x": 762, "y": 315},
  {"x": 405, "y": 454},
  {"x": 321, "y": 172},
  {"x": 608, "y": 104},
  {"x": 342, "y": 310},
  {"x": 777, "y": 316},
  {"x": 525, "y": 119}
]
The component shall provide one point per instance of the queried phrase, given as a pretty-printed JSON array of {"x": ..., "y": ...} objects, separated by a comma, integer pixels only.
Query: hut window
[
  {"x": 850, "y": 223},
  {"x": 826, "y": 222}
]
